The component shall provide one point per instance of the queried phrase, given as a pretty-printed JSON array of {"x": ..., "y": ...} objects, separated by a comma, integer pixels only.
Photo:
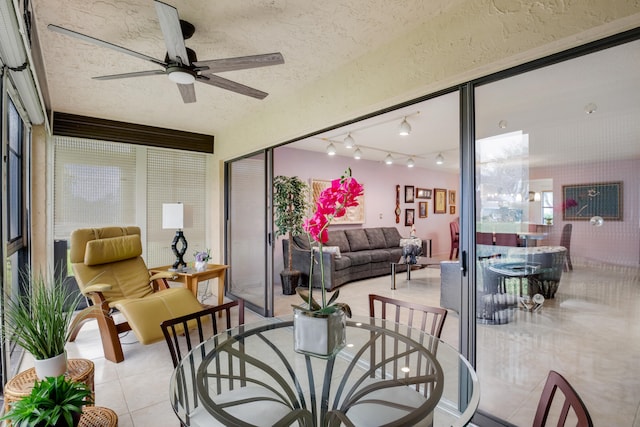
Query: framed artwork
[
  {"x": 452, "y": 197},
  {"x": 408, "y": 194},
  {"x": 423, "y": 193},
  {"x": 409, "y": 216},
  {"x": 354, "y": 215},
  {"x": 452, "y": 210},
  {"x": 440, "y": 201},
  {"x": 422, "y": 209},
  {"x": 581, "y": 202}
]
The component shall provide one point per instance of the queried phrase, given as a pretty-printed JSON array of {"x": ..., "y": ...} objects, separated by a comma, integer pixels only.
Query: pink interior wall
[
  {"x": 380, "y": 182},
  {"x": 615, "y": 242}
]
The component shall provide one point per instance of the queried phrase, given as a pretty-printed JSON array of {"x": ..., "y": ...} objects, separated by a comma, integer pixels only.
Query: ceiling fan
[{"x": 180, "y": 63}]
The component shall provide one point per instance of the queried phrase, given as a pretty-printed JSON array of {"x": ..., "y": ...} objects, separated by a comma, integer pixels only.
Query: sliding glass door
[
  {"x": 247, "y": 230},
  {"x": 557, "y": 169}
]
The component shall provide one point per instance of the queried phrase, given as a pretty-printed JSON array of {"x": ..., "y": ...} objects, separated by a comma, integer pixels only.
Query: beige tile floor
[{"x": 590, "y": 332}]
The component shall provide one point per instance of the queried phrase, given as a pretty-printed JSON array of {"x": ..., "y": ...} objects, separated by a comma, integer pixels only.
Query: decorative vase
[
  {"x": 51, "y": 367},
  {"x": 201, "y": 265},
  {"x": 319, "y": 335},
  {"x": 290, "y": 280}
]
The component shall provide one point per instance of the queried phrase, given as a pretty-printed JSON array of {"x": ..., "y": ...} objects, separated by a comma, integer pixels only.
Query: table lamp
[{"x": 173, "y": 218}]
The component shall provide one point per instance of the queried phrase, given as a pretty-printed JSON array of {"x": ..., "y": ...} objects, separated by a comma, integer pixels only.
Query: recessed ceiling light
[
  {"x": 590, "y": 108},
  {"x": 502, "y": 124}
]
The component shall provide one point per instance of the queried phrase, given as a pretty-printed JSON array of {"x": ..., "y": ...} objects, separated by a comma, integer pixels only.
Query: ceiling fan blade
[
  {"x": 127, "y": 75},
  {"x": 223, "y": 83},
  {"x": 188, "y": 93},
  {"x": 102, "y": 43},
  {"x": 172, "y": 32},
  {"x": 240, "y": 63}
]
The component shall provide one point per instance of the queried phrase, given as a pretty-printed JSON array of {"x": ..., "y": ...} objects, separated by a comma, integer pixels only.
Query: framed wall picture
[
  {"x": 440, "y": 201},
  {"x": 354, "y": 215},
  {"x": 581, "y": 202},
  {"x": 422, "y": 209},
  {"x": 452, "y": 197},
  {"x": 452, "y": 210},
  {"x": 409, "y": 194},
  {"x": 423, "y": 193},
  {"x": 409, "y": 216}
]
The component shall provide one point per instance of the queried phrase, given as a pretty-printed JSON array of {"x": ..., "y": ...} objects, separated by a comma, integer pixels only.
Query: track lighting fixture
[
  {"x": 331, "y": 149},
  {"x": 349, "y": 142},
  {"x": 405, "y": 127},
  {"x": 357, "y": 154},
  {"x": 439, "y": 159},
  {"x": 388, "y": 160},
  {"x": 410, "y": 162}
]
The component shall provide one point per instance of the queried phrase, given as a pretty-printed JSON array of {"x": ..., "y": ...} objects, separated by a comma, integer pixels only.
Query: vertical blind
[{"x": 103, "y": 183}]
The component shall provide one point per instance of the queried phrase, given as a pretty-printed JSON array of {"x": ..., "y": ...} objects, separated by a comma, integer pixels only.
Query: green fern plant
[
  {"x": 53, "y": 402},
  {"x": 41, "y": 322}
]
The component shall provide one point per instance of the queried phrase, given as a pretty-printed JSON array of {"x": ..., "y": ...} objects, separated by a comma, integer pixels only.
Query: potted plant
[
  {"x": 41, "y": 323},
  {"x": 289, "y": 206},
  {"x": 319, "y": 327},
  {"x": 201, "y": 259},
  {"x": 53, "y": 402}
]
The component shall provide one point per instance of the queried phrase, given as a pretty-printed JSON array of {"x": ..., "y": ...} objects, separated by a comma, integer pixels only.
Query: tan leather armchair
[{"x": 109, "y": 269}]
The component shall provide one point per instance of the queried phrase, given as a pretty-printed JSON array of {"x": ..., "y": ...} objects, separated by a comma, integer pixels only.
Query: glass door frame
[{"x": 267, "y": 309}]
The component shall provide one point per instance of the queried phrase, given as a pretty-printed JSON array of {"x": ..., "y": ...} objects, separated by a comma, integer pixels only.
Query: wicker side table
[
  {"x": 98, "y": 416},
  {"x": 80, "y": 370}
]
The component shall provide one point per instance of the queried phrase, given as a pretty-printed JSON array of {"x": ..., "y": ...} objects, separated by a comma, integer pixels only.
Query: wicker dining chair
[{"x": 572, "y": 401}]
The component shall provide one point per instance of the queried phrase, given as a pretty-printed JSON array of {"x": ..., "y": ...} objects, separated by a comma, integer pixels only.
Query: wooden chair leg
[{"x": 108, "y": 331}]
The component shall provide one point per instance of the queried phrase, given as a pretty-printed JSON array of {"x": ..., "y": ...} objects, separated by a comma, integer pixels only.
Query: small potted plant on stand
[
  {"x": 201, "y": 259},
  {"x": 319, "y": 327},
  {"x": 53, "y": 402},
  {"x": 289, "y": 205},
  {"x": 41, "y": 323}
]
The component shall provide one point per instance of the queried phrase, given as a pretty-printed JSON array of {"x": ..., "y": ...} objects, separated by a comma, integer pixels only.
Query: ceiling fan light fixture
[
  {"x": 357, "y": 154},
  {"x": 349, "y": 142},
  {"x": 181, "y": 76},
  {"x": 331, "y": 149},
  {"x": 439, "y": 159},
  {"x": 410, "y": 162},
  {"x": 388, "y": 160},
  {"x": 405, "y": 127}
]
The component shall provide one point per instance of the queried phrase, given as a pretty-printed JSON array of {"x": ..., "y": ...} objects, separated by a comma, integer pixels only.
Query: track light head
[
  {"x": 439, "y": 159},
  {"x": 357, "y": 154},
  {"x": 405, "y": 127},
  {"x": 388, "y": 160},
  {"x": 331, "y": 149},
  {"x": 349, "y": 142},
  {"x": 410, "y": 162}
]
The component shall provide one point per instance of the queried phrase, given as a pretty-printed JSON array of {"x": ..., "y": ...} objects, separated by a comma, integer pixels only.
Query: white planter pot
[
  {"x": 52, "y": 367},
  {"x": 319, "y": 335}
]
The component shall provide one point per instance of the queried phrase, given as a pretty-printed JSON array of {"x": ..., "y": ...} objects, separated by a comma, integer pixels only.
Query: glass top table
[{"x": 387, "y": 374}]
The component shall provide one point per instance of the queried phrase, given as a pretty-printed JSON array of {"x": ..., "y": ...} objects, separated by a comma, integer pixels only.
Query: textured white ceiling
[
  {"x": 315, "y": 39},
  {"x": 313, "y": 36}
]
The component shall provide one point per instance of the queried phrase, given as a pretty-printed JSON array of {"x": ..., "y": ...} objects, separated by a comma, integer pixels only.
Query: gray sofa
[{"x": 364, "y": 253}]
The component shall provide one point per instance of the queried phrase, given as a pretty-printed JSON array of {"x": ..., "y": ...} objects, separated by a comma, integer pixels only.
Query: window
[
  {"x": 101, "y": 183},
  {"x": 15, "y": 179},
  {"x": 547, "y": 207}
]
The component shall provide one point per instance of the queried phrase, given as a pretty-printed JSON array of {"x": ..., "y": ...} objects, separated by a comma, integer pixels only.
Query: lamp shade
[{"x": 172, "y": 215}]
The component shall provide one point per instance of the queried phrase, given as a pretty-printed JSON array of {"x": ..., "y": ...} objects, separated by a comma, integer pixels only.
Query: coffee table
[{"x": 421, "y": 261}]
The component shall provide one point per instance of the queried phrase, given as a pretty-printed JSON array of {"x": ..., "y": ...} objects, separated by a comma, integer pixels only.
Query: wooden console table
[{"x": 190, "y": 278}]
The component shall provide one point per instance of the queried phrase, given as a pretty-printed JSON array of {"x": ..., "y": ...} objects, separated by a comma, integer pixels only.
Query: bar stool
[{"x": 98, "y": 416}]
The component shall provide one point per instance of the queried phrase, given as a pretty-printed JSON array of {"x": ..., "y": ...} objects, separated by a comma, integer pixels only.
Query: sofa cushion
[
  {"x": 302, "y": 242},
  {"x": 342, "y": 263},
  {"x": 376, "y": 238},
  {"x": 391, "y": 236},
  {"x": 358, "y": 258},
  {"x": 338, "y": 238},
  {"x": 358, "y": 240}
]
